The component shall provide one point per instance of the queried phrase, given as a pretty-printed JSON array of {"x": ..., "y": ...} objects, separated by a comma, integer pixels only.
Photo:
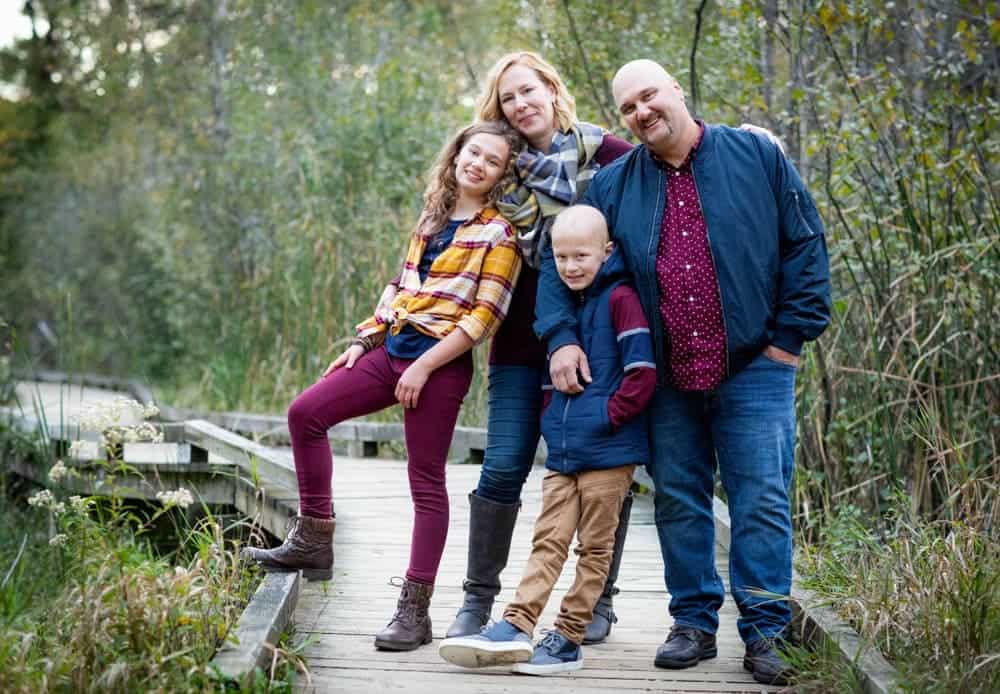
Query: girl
[{"x": 452, "y": 292}]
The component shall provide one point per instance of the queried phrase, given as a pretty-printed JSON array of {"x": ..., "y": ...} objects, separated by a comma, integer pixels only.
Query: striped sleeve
[
  {"x": 375, "y": 325},
  {"x": 497, "y": 278},
  {"x": 636, "y": 347}
]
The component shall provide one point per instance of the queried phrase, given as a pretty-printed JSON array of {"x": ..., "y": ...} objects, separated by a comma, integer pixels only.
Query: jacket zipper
[
  {"x": 651, "y": 251},
  {"x": 715, "y": 269},
  {"x": 802, "y": 216}
]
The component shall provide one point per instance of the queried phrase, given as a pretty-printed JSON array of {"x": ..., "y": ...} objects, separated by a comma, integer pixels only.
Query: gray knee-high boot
[
  {"x": 604, "y": 616},
  {"x": 491, "y": 526}
]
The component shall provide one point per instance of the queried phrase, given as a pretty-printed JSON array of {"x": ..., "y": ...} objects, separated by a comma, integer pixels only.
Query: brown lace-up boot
[
  {"x": 308, "y": 546},
  {"x": 410, "y": 627}
]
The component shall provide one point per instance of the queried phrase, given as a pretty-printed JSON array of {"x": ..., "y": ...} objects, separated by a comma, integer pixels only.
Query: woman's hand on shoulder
[
  {"x": 347, "y": 359},
  {"x": 764, "y": 132}
]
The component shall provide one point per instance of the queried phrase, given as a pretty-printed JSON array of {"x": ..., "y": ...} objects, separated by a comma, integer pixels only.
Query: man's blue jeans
[
  {"x": 746, "y": 427},
  {"x": 513, "y": 430}
]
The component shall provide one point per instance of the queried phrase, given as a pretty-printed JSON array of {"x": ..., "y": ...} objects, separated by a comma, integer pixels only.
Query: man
[{"x": 729, "y": 259}]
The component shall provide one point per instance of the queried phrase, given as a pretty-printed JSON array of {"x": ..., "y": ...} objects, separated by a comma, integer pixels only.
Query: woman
[
  {"x": 562, "y": 156},
  {"x": 452, "y": 292}
]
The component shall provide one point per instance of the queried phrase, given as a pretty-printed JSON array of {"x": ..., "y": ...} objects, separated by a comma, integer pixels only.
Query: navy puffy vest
[{"x": 576, "y": 428}]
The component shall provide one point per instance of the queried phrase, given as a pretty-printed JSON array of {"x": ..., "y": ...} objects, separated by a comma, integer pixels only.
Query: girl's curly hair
[{"x": 442, "y": 188}]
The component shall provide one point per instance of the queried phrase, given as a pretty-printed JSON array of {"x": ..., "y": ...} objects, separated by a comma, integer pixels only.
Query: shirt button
[
  {"x": 690, "y": 298},
  {"x": 687, "y": 267},
  {"x": 684, "y": 233},
  {"x": 680, "y": 203},
  {"x": 677, "y": 173},
  {"x": 695, "y": 333}
]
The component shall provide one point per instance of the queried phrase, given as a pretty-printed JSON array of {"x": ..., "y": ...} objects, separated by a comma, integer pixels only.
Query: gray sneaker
[
  {"x": 501, "y": 644},
  {"x": 553, "y": 654}
]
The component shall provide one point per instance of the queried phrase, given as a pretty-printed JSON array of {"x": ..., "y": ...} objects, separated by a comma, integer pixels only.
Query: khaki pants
[{"x": 587, "y": 503}]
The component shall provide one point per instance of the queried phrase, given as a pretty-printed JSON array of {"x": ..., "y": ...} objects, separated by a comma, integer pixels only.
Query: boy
[{"x": 595, "y": 439}]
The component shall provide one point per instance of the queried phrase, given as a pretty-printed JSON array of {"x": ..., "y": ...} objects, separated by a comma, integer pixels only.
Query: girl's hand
[
  {"x": 382, "y": 311},
  {"x": 411, "y": 383},
  {"x": 347, "y": 359}
]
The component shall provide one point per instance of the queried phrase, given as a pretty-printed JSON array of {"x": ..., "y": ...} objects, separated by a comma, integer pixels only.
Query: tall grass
[
  {"x": 926, "y": 593},
  {"x": 93, "y": 598}
]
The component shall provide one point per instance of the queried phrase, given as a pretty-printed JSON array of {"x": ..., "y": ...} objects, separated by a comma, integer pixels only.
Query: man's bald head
[{"x": 645, "y": 69}]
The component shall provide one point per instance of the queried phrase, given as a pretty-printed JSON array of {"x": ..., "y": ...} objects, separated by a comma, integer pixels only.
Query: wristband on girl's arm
[{"x": 367, "y": 343}]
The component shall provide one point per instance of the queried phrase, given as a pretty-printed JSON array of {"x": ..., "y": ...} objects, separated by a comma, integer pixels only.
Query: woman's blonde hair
[
  {"x": 488, "y": 105},
  {"x": 441, "y": 193}
]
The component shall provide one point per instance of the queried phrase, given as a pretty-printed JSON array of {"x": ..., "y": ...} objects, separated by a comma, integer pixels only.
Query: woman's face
[
  {"x": 527, "y": 104},
  {"x": 480, "y": 165}
]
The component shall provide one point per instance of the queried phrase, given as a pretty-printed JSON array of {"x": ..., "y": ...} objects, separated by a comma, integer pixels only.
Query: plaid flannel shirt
[{"x": 469, "y": 285}]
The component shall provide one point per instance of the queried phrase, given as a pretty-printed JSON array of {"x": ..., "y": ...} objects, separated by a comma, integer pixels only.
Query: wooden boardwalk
[{"x": 372, "y": 543}]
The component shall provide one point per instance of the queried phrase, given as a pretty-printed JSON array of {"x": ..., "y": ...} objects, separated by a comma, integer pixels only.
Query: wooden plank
[
  {"x": 251, "y": 457},
  {"x": 256, "y": 633},
  {"x": 366, "y": 678},
  {"x": 372, "y": 545}
]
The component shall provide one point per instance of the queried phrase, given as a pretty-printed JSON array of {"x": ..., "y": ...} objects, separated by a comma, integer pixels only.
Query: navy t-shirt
[{"x": 410, "y": 343}]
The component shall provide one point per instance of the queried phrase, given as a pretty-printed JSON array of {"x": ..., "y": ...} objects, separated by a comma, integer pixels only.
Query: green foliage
[
  {"x": 91, "y": 601},
  {"x": 232, "y": 184},
  {"x": 927, "y": 593}
]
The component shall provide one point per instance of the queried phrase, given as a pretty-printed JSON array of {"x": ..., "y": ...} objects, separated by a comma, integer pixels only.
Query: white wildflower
[
  {"x": 120, "y": 421},
  {"x": 76, "y": 448},
  {"x": 58, "y": 471},
  {"x": 78, "y": 503},
  {"x": 58, "y": 540},
  {"x": 181, "y": 497},
  {"x": 41, "y": 499},
  {"x": 120, "y": 412},
  {"x": 44, "y": 499}
]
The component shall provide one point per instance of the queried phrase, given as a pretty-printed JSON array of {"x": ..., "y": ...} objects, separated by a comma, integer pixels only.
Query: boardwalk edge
[
  {"x": 821, "y": 624},
  {"x": 262, "y": 622}
]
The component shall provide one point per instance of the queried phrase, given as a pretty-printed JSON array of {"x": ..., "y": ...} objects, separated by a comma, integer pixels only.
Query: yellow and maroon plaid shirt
[{"x": 469, "y": 285}]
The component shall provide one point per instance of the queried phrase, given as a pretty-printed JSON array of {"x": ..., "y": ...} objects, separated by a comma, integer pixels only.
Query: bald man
[{"x": 729, "y": 259}]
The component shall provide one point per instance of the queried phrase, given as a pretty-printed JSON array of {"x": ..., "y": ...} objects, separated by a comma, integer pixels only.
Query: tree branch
[
  {"x": 608, "y": 118},
  {"x": 694, "y": 52}
]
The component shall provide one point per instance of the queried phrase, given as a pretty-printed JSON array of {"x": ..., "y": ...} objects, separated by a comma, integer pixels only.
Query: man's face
[{"x": 652, "y": 105}]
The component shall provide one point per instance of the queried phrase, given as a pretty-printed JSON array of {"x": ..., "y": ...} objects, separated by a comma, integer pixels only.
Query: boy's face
[{"x": 579, "y": 253}]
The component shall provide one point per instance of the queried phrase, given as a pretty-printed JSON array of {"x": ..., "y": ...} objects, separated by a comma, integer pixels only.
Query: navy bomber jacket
[{"x": 766, "y": 238}]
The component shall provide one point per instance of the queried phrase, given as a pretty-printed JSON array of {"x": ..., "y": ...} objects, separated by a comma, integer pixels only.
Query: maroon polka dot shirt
[{"x": 689, "y": 291}]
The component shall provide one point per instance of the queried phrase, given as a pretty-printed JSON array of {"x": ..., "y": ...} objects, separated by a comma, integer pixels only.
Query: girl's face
[
  {"x": 528, "y": 105},
  {"x": 480, "y": 165}
]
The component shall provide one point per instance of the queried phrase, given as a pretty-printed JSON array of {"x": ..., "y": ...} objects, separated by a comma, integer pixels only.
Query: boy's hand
[
  {"x": 563, "y": 367},
  {"x": 410, "y": 384}
]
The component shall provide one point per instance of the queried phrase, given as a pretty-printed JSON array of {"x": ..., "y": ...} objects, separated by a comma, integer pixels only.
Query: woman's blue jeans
[
  {"x": 746, "y": 427},
  {"x": 513, "y": 429}
]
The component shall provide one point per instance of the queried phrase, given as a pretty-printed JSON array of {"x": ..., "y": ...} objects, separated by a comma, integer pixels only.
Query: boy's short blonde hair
[{"x": 577, "y": 217}]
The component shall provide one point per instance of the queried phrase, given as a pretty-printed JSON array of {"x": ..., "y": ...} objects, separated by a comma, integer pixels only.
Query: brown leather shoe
[
  {"x": 307, "y": 547},
  {"x": 410, "y": 627}
]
